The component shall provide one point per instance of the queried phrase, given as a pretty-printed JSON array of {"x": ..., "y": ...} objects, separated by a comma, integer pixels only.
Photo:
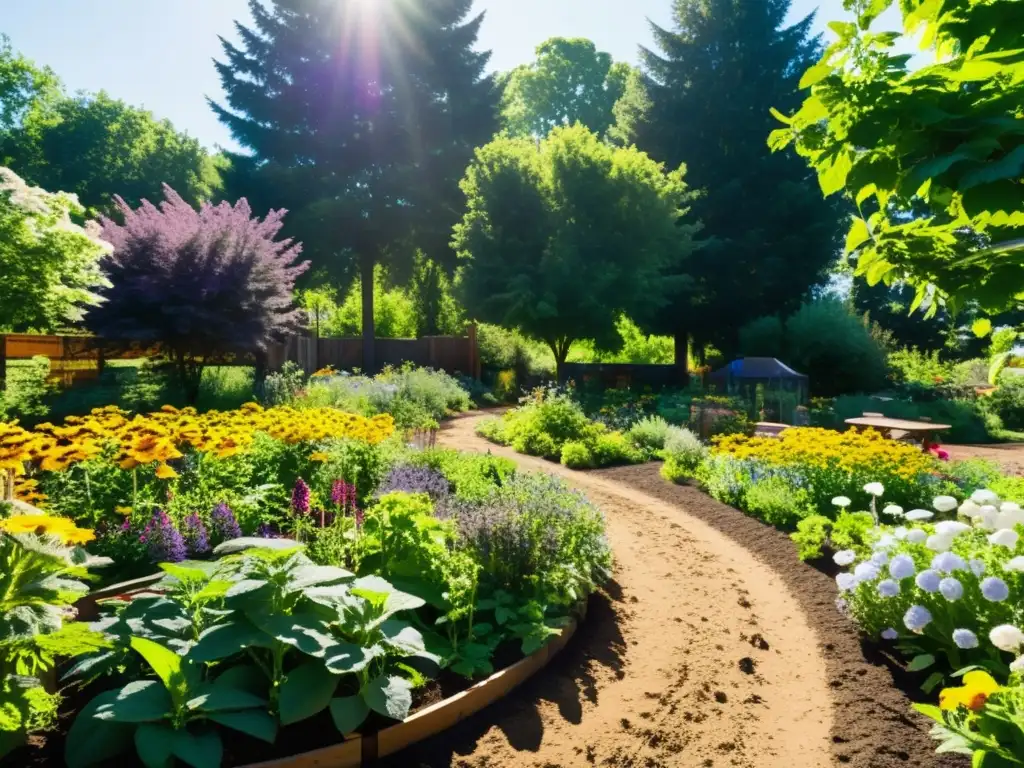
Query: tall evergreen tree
[
  {"x": 360, "y": 117},
  {"x": 767, "y": 235}
]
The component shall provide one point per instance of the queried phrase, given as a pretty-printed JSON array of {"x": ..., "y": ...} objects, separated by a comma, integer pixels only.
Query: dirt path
[
  {"x": 1009, "y": 455},
  {"x": 697, "y": 656}
]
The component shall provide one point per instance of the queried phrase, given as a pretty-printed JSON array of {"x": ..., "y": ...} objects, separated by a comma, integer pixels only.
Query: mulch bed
[{"x": 872, "y": 694}]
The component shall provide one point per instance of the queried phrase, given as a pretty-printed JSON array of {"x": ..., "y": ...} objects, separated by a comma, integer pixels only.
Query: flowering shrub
[{"x": 683, "y": 453}]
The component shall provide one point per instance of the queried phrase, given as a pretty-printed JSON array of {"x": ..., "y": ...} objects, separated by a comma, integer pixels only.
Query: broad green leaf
[
  {"x": 200, "y": 750},
  {"x": 780, "y": 138},
  {"x": 981, "y": 327},
  {"x": 390, "y": 696},
  {"x": 154, "y": 744},
  {"x": 1011, "y": 167},
  {"x": 403, "y": 636},
  {"x": 346, "y": 657},
  {"x": 245, "y": 587},
  {"x": 245, "y": 677},
  {"x": 214, "y": 590},
  {"x": 833, "y": 172},
  {"x": 976, "y": 69},
  {"x": 175, "y": 626},
  {"x": 503, "y": 615},
  {"x": 317, "y": 575},
  {"x": 183, "y": 573},
  {"x": 918, "y": 663},
  {"x": 253, "y": 542},
  {"x": 865, "y": 192},
  {"x": 305, "y": 632},
  {"x": 141, "y": 701},
  {"x": 844, "y": 30},
  {"x": 348, "y": 713},
  {"x": 857, "y": 236},
  {"x": 254, "y": 722},
  {"x": 334, "y": 596},
  {"x": 91, "y": 741},
  {"x": 306, "y": 691},
  {"x": 177, "y": 674},
  {"x": 816, "y": 74},
  {"x": 934, "y": 679},
  {"x": 224, "y": 640},
  {"x": 929, "y": 710},
  {"x": 220, "y": 697}
]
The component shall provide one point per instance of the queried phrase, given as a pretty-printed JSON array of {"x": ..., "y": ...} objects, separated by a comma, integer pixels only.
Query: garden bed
[{"x": 871, "y": 694}]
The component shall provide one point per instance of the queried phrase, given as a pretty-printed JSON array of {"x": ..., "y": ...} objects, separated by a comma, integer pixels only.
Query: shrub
[
  {"x": 777, "y": 502},
  {"x": 811, "y": 536},
  {"x": 683, "y": 454},
  {"x": 200, "y": 283},
  {"x": 649, "y": 433},
  {"x": 27, "y": 391},
  {"x": 576, "y": 455},
  {"x": 1007, "y": 402}
]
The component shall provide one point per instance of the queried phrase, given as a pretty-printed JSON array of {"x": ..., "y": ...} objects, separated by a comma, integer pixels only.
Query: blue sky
[{"x": 157, "y": 53}]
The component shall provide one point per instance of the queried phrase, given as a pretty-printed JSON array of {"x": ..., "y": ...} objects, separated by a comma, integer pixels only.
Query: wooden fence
[{"x": 82, "y": 358}]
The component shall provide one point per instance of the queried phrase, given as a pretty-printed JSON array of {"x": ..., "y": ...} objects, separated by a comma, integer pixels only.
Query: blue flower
[
  {"x": 917, "y": 618},
  {"x": 888, "y": 588},
  {"x": 951, "y": 589},
  {"x": 994, "y": 589},
  {"x": 928, "y": 581},
  {"x": 965, "y": 639},
  {"x": 902, "y": 567}
]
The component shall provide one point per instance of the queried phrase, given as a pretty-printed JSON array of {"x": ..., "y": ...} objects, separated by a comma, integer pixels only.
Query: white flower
[
  {"x": 965, "y": 639},
  {"x": 1017, "y": 665},
  {"x": 902, "y": 567},
  {"x": 951, "y": 589},
  {"x": 920, "y": 514},
  {"x": 1017, "y": 564},
  {"x": 938, "y": 543},
  {"x": 951, "y": 528},
  {"x": 900, "y": 533},
  {"x": 874, "y": 489},
  {"x": 890, "y": 634},
  {"x": 893, "y": 510},
  {"x": 1009, "y": 507},
  {"x": 994, "y": 589},
  {"x": 945, "y": 503},
  {"x": 983, "y": 496},
  {"x": 947, "y": 562},
  {"x": 879, "y": 559},
  {"x": 886, "y": 541},
  {"x": 846, "y": 582},
  {"x": 928, "y": 581},
  {"x": 917, "y": 536},
  {"x": 1007, "y": 637},
  {"x": 841, "y": 501},
  {"x": 866, "y": 571},
  {"x": 987, "y": 517},
  {"x": 1004, "y": 538},
  {"x": 844, "y": 558},
  {"x": 1008, "y": 519},
  {"x": 917, "y": 618},
  {"x": 977, "y": 567},
  {"x": 969, "y": 509},
  {"x": 888, "y": 588}
]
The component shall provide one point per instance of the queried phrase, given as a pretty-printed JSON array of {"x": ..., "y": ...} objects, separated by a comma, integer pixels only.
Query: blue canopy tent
[{"x": 765, "y": 383}]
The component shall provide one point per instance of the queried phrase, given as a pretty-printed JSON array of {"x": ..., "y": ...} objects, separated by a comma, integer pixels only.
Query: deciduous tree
[
  {"x": 563, "y": 236},
  {"x": 200, "y": 283}
]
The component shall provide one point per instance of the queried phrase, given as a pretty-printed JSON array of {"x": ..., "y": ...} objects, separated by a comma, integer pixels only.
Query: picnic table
[{"x": 922, "y": 432}]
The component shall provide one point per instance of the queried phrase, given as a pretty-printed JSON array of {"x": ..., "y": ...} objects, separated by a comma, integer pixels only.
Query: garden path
[{"x": 696, "y": 655}]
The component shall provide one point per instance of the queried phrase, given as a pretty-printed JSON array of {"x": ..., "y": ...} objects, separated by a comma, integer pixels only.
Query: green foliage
[
  {"x": 811, "y": 535},
  {"x": 577, "y": 455},
  {"x": 284, "y": 386},
  {"x": 24, "y": 398},
  {"x": 1007, "y": 402},
  {"x": 932, "y": 157},
  {"x": 51, "y": 266},
  {"x": 539, "y": 216},
  {"x": 970, "y": 422},
  {"x": 684, "y": 453},
  {"x": 570, "y": 82},
  {"x": 719, "y": 59},
  {"x": 777, "y": 502},
  {"x": 22, "y": 85},
  {"x": 394, "y": 311},
  {"x": 434, "y": 306},
  {"x": 912, "y": 366},
  {"x": 649, "y": 433},
  {"x": 994, "y": 737},
  {"x": 615, "y": 448}
]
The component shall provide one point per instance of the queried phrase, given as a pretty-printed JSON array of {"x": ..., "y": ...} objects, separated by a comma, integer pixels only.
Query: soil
[
  {"x": 712, "y": 646},
  {"x": 1009, "y": 455}
]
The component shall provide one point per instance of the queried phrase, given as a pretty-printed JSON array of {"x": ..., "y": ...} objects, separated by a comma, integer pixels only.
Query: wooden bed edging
[{"x": 362, "y": 750}]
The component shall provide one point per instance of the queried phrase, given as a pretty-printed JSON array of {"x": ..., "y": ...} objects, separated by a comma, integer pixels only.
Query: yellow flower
[
  {"x": 319, "y": 456},
  {"x": 973, "y": 694},
  {"x": 45, "y": 525},
  {"x": 123, "y": 510},
  {"x": 166, "y": 472}
]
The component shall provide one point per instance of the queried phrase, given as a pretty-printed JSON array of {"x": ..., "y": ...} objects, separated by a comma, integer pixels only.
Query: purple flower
[
  {"x": 197, "y": 541},
  {"x": 267, "y": 531},
  {"x": 223, "y": 524},
  {"x": 360, "y": 516},
  {"x": 300, "y": 497},
  {"x": 343, "y": 494},
  {"x": 163, "y": 541},
  {"x": 413, "y": 479}
]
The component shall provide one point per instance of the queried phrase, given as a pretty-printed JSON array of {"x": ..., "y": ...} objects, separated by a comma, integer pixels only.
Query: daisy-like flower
[
  {"x": 1015, "y": 565},
  {"x": 951, "y": 528},
  {"x": 874, "y": 489},
  {"x": 844, "y": 558},
  {"x": 893, "y": 510},
  {"x": 917, "y": 618},
  {"x": 1007, "y": 637},
  {"x": 841, "y": 501},
  {"x": 937, "y": 543},
  {"x": 994, "y": 589},
  {"x": 965, "y": 639},
  {"x": 984, "y": 496},
  {"x": 920, "y": 514},
  {"x": 1005, "y": 538}
]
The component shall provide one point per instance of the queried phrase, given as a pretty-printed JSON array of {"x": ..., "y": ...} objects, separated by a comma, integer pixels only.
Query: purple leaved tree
[{"x": 202, "y": 284}]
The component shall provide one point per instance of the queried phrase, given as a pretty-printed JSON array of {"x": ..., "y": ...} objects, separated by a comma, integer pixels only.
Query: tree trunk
[
  {"x": 369, "y": 346},
  {"x": 682, "y": 357},
  {"x": 560, "y": 349}
]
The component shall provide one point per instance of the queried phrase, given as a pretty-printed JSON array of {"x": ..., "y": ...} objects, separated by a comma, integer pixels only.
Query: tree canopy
[
  {"x": 22, "y": 84},
  {"x": 767, "y": 235},
  {"x": 932, "y": 158},
  {"x": 569, "y": 82},
  {"x": 201, "y": 283},
  {"x": 49, "y": 267},
  {"x": 360, "y": 118},
  {"x": 562, "y": 236}
]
